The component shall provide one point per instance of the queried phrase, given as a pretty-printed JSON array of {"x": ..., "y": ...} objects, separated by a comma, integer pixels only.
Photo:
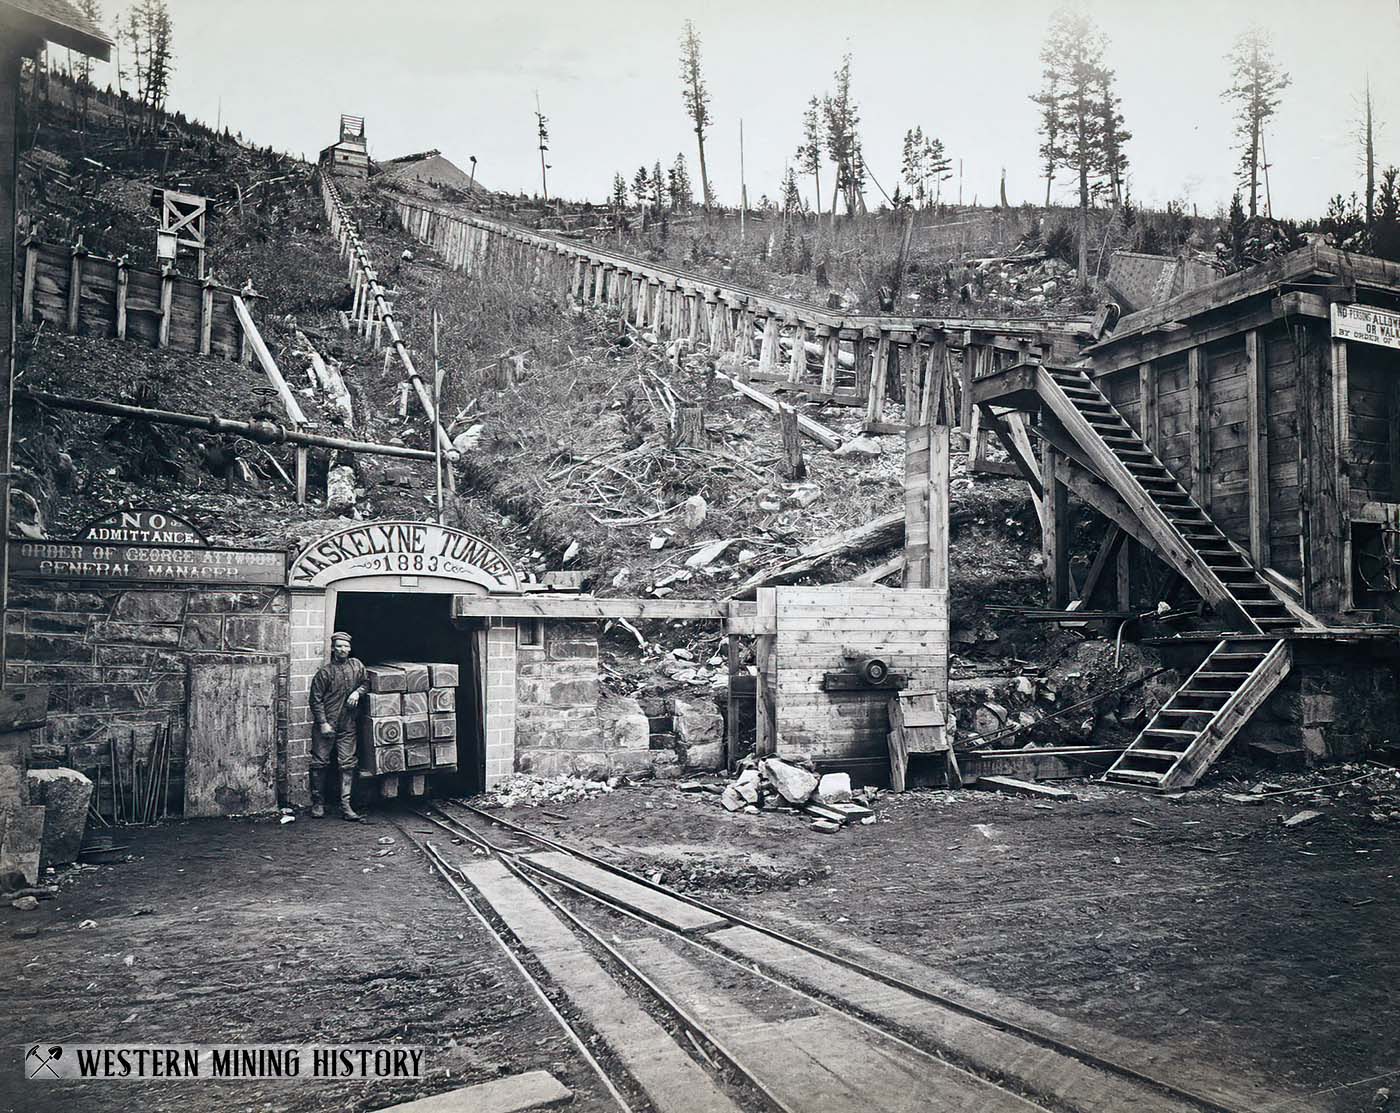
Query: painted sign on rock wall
[{"x": 403, "y": 549}]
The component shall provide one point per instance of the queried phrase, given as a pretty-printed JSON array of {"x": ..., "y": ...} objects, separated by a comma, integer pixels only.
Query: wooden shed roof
[{"x": 55, "y": 21}]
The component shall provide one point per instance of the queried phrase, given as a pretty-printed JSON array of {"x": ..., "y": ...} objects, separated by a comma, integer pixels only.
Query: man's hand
[
  {"x": 327, "y": 729},
  {"x": 353, "y": 698}
]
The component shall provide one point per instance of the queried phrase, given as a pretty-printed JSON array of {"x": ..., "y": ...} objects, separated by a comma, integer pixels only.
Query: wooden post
[
  {"x": 768, "y": 352},
  {"x": 830, "y": 339},
  {"x": 1055, "y": 530},
  {"x": 731, "y": 725},
  {"x": 75, "y": 284},
  {"x": 301, "y": 468},
  {"x": 1124, "y": 582},
  {"x": 970, "y": 358},
  {"x": 926, "y": 518},
  {"x": 1147, "y": 405},
  {"x": 879, "y": 379},
  {"x": 1200, "y": 435},
  {"x": 123, "y": 282},
  {"x": 31, "y": 269},
  {"x": 797, "y": 355},
  {"x": 1257, "y": 432},
  {"x": 793, "y": 465},
  {"x": 765, "y": 697},
  {"x": 1339, "y": 468},
  {"x": 206, "y": 315},
  {"x": 167, "y": 290}
]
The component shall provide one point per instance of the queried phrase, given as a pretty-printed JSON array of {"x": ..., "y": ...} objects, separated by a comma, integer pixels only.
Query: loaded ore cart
[{"x": 408, "y": 724}]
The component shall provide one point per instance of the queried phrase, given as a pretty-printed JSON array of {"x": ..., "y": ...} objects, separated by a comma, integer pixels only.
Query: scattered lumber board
[
  {"x": 818, "y": 432},
  {"x": 1024, "y": 788},
  {"x": 918, "y": 725},
  {"x": 533, "y": 1090},
  {"x": 874, "y": 536}
]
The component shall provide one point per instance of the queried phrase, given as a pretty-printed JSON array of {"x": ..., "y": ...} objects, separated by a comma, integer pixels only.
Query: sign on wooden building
[{"x": 1366, "y": 324}]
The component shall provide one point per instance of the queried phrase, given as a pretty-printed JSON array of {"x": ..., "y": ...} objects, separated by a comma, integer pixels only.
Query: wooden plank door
[{"x": 231, "y": 745}]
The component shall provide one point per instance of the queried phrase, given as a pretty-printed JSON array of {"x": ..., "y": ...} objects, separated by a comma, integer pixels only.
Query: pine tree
[
  {"x": 1237, "y": 229},
  {"x": 619, "y": 192},
  {"x": 696, "y": 98},
  {"x": 1077, "y": 90},
  {"x": 809, "y": 151},
  {"x": 641, "y": 187},
  {"x": 911, "y": 164},
  {"x": 1049, "y": 101},
  {"x": 1386, "y": 234},
  {"x": 792, "y": 196},
  {"x": 938, "y": 166},
  {"x": 842, "y": 119},
  {"x": 658, "y": 187},
  {"x": 1257, "y": 85},
  {"x": 1115, "y": 162},
  {"x": 678, "y": 185}
]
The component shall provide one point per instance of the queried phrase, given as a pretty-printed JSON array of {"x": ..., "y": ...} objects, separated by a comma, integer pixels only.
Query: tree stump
[
  {"x": 690, "y": 425},
  {"x": 793, "y": 466}
]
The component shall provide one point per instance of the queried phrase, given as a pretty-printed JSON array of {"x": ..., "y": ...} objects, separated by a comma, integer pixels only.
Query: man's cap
[{"x": 340, "y": 636}]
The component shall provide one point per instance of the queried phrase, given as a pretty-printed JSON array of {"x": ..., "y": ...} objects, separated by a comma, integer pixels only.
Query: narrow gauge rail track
[{"x": 1042, "y": 1071}]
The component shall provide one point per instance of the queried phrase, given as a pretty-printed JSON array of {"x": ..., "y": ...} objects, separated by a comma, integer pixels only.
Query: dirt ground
[
  {"x": 231, "y": 931},
  {"x": 1203, "y": 927}
]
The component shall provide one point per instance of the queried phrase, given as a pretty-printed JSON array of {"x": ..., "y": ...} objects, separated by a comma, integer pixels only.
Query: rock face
[
  {"x": 64, "y": 793},
  {"x": 834, "y": 788},
  {"x": 793, "y": 784},
  {"x": 625, "y": 725},
  {"x": 699, "y": 733}
]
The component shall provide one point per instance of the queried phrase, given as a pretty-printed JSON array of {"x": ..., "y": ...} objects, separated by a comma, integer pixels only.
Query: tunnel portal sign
[
  {"x": 1366, "y": 324},
  {"x": 403, "y": 549}
]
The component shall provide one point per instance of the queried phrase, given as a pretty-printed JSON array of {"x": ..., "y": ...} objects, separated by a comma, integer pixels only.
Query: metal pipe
[{"x": 264, "y": 432}]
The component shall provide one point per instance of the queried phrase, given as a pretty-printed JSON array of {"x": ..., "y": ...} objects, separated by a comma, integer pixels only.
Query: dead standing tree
[{"x": 1257, "y": 84}]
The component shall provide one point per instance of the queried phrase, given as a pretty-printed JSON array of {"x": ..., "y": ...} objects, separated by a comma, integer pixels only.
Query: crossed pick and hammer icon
[{"x": 45, "y": 1061}]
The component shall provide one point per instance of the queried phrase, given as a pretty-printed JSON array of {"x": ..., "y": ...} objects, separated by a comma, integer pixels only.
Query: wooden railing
[
  {"x": 371, "y": 315},
  {"x": 800, "y": 348},
  {"x": 93, "y": 295}
]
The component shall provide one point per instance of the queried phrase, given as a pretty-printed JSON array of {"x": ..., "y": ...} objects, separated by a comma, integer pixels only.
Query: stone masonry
[
  {"x": 116, "y": 658},
  {"x": 559, "y": 731}
]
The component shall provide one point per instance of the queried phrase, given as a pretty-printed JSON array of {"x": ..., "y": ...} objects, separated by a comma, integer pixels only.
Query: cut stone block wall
[
  {"x": 559, "y": 730},
  {"x": 116, "y": 658},
  {"x": 1336, "y": 702}
]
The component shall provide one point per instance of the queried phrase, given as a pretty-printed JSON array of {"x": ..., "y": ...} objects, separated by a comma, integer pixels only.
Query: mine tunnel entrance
[{"x": 397, "y": 627}]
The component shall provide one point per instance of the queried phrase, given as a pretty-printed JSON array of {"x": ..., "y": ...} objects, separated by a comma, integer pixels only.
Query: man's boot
[
  {"x": 347, "y": 781},
  {"x": 318, "y": 794}
]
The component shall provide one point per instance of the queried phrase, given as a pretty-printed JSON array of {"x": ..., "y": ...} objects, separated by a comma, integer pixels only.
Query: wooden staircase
[
  {"x": 1193, "y": 728},
  {"x": 1217, "y": 568}
]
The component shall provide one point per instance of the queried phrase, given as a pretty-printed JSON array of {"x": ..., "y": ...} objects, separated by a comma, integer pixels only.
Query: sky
[{"x": 462, "y": 76}]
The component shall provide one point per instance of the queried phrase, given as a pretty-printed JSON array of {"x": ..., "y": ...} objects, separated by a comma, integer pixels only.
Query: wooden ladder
[
  {"x": 1195, "y": 725},
  {"x": 1190, "y": 541}
]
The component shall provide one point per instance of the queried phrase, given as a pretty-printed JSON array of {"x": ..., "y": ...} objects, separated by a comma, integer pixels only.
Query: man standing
[{"x": 335, "y": 693}]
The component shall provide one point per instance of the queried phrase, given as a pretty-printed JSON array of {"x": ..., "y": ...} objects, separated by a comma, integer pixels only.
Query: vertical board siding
[{"x": 1226, "y": 429}]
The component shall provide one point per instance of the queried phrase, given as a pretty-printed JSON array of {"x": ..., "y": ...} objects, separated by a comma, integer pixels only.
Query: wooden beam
[
  {"x": 1257, "y": 432},
  {"x": 1199, "y": 452},
  {"x": 1106, "y": 556},
  {"x": 1341, "y": 464},
  {"x": 818, "y": 432},
  {"x": 1054, "y": 533},
  {"x": 765, "y": 691},
  {"x": 1147, "y": 405},
  {"x": 545, "y": 605}
]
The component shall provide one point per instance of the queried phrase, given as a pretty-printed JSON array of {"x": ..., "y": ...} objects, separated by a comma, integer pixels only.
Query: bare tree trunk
[
  {"x": 1370, "y": 170},
  {"x": 704, "y": 175},
  {"x": 1083, "y": 224},
  {"x": 793, "y": 465}
]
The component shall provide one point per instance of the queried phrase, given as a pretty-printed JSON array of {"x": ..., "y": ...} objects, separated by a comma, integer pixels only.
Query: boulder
[
  {"x": 698, "y": 724},
  {"x": 340, "y": 488},
  {"x": 860, "y": 446},
  {"x": 834, "y": 788},
  {"x": 21, "y": 844},
  {"x": 748, "y": 785},
  {"x": 64, "y": 793},
  {"x": 625, "y": 725},
  {"x": 732, "y": 800},
  {"x": 693, "y": 511},
  {"x": 793, "y": 784}
]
